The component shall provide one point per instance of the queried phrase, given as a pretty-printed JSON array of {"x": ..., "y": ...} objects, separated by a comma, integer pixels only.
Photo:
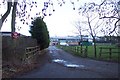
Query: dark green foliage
[{"x": 39, "y": 31}]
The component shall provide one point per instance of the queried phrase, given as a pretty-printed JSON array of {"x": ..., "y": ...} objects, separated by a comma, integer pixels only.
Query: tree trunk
[
  {"x": 9, "y": 5},
  {"x": 13, "y": 29},
  {"x": 13, "y": 17},
  {"x": 81, "y": 45},
  {"x": 95, "y": 52}
]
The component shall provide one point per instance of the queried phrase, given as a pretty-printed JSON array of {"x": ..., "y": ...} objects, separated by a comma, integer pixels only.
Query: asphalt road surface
[{"x": 57, "y": 63}]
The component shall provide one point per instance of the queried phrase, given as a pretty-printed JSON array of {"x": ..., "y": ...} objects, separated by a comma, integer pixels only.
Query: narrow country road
[{"x": 57, "y": 63}]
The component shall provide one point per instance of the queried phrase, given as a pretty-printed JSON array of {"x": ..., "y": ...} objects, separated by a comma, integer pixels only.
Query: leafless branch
[
  {"x": 110, "y": 17},
  {"x": 115, "y": 26}
]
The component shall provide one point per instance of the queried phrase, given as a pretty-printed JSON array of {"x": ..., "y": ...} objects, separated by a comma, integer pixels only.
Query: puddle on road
[
  {"x": 67, "y": 64},
  {"x": 74, "y": 66},
  {"x": 59, "y": 61},
  {"x": 51, "y": 51}
]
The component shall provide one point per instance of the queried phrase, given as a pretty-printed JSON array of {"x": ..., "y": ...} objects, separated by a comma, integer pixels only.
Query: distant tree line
[{"x": 108, "y": 39}]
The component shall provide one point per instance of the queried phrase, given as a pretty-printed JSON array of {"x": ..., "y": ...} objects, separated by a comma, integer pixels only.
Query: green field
[{"x": 75, "y": 50}]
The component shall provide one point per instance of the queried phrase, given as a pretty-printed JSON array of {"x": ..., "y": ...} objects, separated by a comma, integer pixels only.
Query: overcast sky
[{"x": 59, "y": 24}]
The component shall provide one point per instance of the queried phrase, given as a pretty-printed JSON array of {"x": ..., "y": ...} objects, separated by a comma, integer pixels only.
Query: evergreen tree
[{"x": 39, "y": 31}]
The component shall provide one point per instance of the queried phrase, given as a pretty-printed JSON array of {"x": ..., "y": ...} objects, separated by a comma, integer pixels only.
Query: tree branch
[
  {"x": 109, "y": 17},
  {"x": 115, "y": 26},
  {"x": 91, "y": 32}
]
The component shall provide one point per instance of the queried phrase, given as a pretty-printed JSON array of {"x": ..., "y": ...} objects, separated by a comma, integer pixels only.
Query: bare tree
[
  {"x": 110, "y": 10},
  {"x": 79, "y": 28},
  {"x": 107, "y": 11},
  {"x": 93, "y": 23}
]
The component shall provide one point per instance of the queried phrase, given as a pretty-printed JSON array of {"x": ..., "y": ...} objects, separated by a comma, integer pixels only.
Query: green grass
[{"x": 90, "y": 52}]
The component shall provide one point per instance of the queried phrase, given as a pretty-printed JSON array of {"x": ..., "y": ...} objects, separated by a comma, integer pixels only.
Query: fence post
[
  {"x": 73, "y": 49},
  {"x": 100, "y": 52},
  {"x": 76, "y": 49},
  {"x": 86, "y": 49},
  {"x": 110, "y": 49},
  {"x": 79, "y": 50}
]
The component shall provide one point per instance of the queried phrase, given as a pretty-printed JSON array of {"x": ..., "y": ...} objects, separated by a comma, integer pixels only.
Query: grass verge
[{"x": 75, "y": 50}]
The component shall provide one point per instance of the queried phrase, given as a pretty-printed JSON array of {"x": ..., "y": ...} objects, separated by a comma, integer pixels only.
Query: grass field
[{"x": 90, "y": 52}]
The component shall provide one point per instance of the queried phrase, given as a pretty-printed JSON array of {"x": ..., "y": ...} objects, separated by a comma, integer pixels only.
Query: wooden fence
[
  {"x": 31, "y": 51},
  {"x": 77, "y": 49},
  {"x": 101, "y": 50},
  {"x": 110, "y": 51}
]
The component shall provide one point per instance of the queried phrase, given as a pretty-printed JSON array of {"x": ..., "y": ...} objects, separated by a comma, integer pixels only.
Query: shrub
[{"x": 39, "y": 31}]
